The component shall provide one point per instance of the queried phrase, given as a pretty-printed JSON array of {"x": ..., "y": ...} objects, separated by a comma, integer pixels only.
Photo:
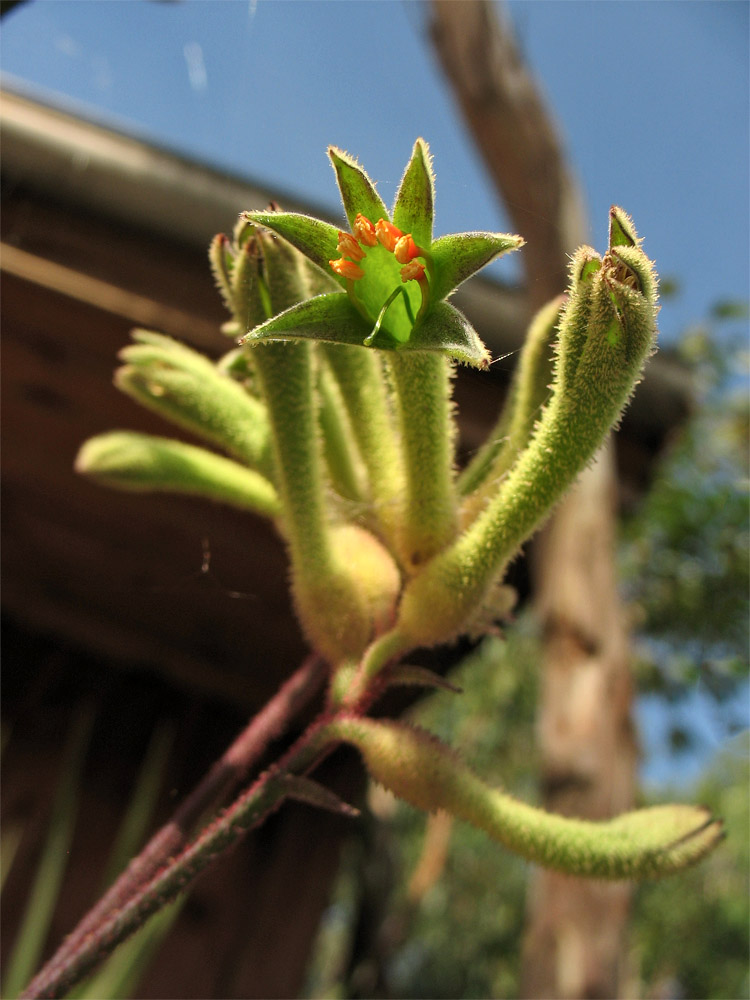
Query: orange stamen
[
  {"x": 347, "y": 269},
  {"x": 365, "y": 231},
  {"x": 412, "y": 271},
  {"x": 406, "y": 249},
  {"x": 348, "y": 247},
  {"x": 388, "y": 234}
]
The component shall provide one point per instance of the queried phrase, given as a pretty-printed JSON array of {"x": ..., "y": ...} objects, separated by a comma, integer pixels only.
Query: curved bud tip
[
  {"x": 584, "y": 264},
  {"x": 629, "y": 266},
  {"x": 621, "y": 229}
]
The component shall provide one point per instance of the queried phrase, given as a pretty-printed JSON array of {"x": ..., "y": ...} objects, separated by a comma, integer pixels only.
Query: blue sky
[{"x": 651, "y": 99}]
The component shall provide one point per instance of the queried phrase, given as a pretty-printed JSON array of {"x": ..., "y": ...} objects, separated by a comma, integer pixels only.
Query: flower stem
[
  {"x": 286, "y": 376},
  {"x": 359, "y": 374},
  {"x": 344, "y": 463},
  {"x": 423, "y": 390}
]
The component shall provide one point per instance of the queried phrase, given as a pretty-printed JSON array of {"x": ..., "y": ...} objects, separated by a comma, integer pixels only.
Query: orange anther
[
  {"x": 347, "y": 269},
  {"x": 412, "y": 271},
  {"x": 388, "y": 234},
  {"x": 365, "y": 231},
  {"x": 348, "y": 247},
  {"x": 405, "y": 249}
]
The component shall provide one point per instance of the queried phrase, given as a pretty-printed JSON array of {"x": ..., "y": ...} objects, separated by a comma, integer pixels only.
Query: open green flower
[{"x": 394, "y": 277}]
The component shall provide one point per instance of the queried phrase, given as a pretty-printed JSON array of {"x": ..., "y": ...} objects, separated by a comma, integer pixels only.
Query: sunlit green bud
[
  {"x": 418, "y": 768},
  {"x": 186, "y": 388},
  {"x": 606, "y": 334},
  {"x": 344, "y": 608},
  {"x": 143, "y": 463},
  {"x": 584, "y": 265},
  {"x": 250, "y": 301}
]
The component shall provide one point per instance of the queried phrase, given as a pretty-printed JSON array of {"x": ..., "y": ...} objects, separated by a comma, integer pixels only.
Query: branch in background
[
  {"x": 514, "y": 130},
  {"x": 516, "y": 135}
]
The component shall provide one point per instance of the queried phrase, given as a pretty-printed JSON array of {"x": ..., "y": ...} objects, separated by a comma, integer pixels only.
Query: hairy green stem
[
  {"x": 286, "y": 375},
  {"x": 422, "y": 382},
  {"x": 359, "y": 374},
  {"x": 344, "y": 463}
]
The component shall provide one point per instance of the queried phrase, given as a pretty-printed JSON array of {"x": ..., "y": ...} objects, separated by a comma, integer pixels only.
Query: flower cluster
[{"x": 394, "y": 278}]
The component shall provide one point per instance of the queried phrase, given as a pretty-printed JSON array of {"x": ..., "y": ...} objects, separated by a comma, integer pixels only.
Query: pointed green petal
[
  {"x": 334, "y": 320},
  {"x": 448, "y": 331},
  {"x": 331, "y": 318},
  {"x": 415, "y": 202},
  {"x": 357, "y": 190},
  {"x": 456, "y": 257},
  {"x": 317, "y": 240}
]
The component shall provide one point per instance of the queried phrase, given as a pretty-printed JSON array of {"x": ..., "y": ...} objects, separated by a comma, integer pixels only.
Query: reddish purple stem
[{"x": 228, "y": 771}]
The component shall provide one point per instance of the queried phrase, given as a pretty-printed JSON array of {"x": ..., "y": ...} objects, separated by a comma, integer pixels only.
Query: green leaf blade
[{"x": 329, "y": 318}]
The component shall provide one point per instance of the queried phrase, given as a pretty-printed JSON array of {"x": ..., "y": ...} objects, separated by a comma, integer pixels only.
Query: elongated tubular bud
[
  {"x": 249, "y": 301},
  {"x": 359, "y": 374},
  {"x": 342, "y": 457},
  {"x": 415, "y": 766},
  {"x": 344, "y": 581},
  {"x": 584, "y": 264},
  {"x": 142, "y": 463},
  {"x": 529, "y": 391},
  {"x": 423, "y": 394},
  {"x": 200, "y": 399},
  {"x": 221, "y": 259},
  {"x": 590, "y": 391}
]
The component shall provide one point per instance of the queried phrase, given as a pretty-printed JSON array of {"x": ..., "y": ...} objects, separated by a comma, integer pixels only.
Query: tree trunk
[{"x": 576, "y": 928}]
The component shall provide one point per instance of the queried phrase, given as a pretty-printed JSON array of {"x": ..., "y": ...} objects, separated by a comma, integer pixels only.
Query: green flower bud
[
  {"x": 418, "y": 768},
  {"x": 606, "y": 333},
  {"x": 143, "y": 463}
]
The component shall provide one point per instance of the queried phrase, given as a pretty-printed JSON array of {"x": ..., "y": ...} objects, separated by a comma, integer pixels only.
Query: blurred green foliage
[
  {"x": 119, "y": 976},
  {"x": 690, "y": 934},
  {"x": 685, "y": 556}
]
